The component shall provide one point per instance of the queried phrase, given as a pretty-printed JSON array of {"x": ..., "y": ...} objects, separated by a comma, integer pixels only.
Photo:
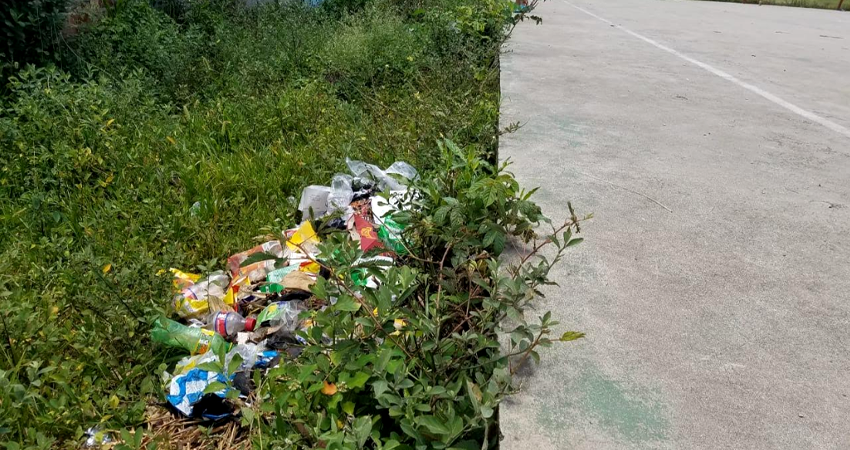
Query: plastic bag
[
  {"x": 276, "y": 276},
  {"x": 314, "y": 198},
  {"x": 284, "y": 314},
  {"x": 187, "y": 389},
  {"x": 271, "y": 247},
  {"x": 341, "y": 194},
  {"x": 373, "y": 172},
  {"x": 382, "y": 177},
  {"x": 381, "y": 207},
  {"x": 404, "y": 169},
  {"x": 390, "y": 233}
]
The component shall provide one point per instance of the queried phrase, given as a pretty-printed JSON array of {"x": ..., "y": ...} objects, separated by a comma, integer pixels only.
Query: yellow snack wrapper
[
  {"x": 304, "y": 236},
  {"x": 312, "y": 267},
  {"x": 182, "y": 279}
]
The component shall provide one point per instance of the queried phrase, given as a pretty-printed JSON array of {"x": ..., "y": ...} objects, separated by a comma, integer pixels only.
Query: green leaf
[
  {"x": 361, "y": 427},
  {"x": 234, "y": 364},
  {"x": 441, "y": 213},
  {"x": 486, "y": 411},
  {"x": 475, "y": 394},
  {"x": 212, "y": 366},
  {"x": 499, "y": 242},
  {"x": 126, "y": 436},
  {"x": 380, "y": 387},
  {"x": 437, "y": 390},
  {"x": 514, "y": 314},
  {"x": 348, "y": 408},
  {"x": 346, "y": 303},
  {"x": 257, "y": 257},
  {"x": 359, "y": 380},
  {"x": 248, "y": 415},
  {"x": 383, "y": 359},
  {"x": 571, "y": 336},
  {"x": 455, "y": 426},
  {"x": 575, "y": 241},
  {"x": 466, "y": 445},
  {"x": 214, "y": 387},
  {"x": 489, "y": 237},
  {"x": 221, "y": 353},
  {"x": 434, "y": 425}
]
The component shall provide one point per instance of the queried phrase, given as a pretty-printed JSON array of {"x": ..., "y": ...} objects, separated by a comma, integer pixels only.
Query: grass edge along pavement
[
  {"x": 841, "y": 5},
  {"x": 110, "y": 152}
]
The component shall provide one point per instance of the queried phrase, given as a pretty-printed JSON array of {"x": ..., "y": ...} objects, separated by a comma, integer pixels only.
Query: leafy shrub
[{"x": 416, "y": 362}]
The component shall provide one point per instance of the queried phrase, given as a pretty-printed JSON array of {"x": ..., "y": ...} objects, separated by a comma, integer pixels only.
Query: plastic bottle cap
[{"x": 250, "y": 323}]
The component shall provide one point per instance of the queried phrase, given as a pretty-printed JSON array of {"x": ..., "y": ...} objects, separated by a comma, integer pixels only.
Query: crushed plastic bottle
[
  {"x": 194, "y": 340},
  {"x": 228, "y": 324}
]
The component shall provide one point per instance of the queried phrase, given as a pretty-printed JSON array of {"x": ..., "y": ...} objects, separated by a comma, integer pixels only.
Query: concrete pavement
[{"x": 712, "y": 143}]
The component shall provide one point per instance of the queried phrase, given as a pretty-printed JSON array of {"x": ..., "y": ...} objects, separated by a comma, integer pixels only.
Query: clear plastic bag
[
  {"x": 284, "y": 314},
  {"x": 341, "y": 194},
  {"x": 404, "y": 169},
  {"x": 372, "y": 172}
]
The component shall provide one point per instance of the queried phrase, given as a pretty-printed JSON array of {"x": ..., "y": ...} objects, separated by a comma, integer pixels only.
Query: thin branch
[{"x": 527, "y": 352}]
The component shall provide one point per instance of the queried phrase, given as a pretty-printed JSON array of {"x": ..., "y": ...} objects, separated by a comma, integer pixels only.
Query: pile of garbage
[{"x": 249, "y": 317}]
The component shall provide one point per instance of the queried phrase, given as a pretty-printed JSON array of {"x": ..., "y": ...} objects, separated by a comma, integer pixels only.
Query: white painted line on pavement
[{"x": 787, "y": 105}]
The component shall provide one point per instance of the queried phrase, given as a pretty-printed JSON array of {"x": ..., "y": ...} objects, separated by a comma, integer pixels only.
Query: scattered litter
[
  {"x": 97, "y": 438},
  {"x": 257, "y": 311},
  {"x": 195, "y": 209},
  {"x": 314, "y": 201},
  {"x": 187, "y": 389}
]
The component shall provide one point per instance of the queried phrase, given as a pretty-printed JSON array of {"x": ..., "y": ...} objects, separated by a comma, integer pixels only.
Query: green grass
[
  {"x": 820, "y": 4},
  {"x": 237, "y": 109}
]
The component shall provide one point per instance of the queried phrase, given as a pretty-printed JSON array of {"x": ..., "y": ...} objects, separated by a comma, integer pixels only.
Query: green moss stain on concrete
[
  {"x": 629, "y": 411},
  {"x": 621, "y": 411}
]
